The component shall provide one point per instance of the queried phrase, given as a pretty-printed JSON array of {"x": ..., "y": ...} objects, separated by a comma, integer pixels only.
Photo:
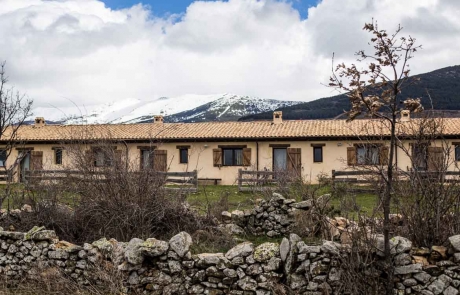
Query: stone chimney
[
  {"x": 39, "y": 122},
  {"x": 157, "y": 119},
  {"x": 277, "y": 117},
  {"x": 405, "y": 116}
]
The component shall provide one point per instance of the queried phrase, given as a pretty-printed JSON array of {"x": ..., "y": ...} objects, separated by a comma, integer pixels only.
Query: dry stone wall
[
  {"x": 273, "y": 217},
  {"x": 168, "y": 267}
]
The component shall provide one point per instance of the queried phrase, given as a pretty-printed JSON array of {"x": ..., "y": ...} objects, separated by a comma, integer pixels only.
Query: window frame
[
  {"x": 3, "y": 153},
  {"x": 457, "y": 152},
  {"x": 368, "y": 157},
  {"x": 320, "y": 149},
  {"x": 56, "y": 152},
  {"x": 183, "y": 158},
  {"x": 234, "y": 161}
]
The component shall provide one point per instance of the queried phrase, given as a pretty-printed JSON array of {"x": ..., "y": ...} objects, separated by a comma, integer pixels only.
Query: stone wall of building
[{"x": 168, "y": 267}]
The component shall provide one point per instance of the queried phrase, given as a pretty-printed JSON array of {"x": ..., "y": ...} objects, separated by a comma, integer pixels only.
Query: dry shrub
[
  {"x": 105, "y": 280},
  {"x": 112, "y": 201},
  {"x": 212, "y": 240}
]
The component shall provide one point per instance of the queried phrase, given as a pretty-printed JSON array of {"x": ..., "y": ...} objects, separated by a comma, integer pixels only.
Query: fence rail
[{"x": 183, "y": 180}]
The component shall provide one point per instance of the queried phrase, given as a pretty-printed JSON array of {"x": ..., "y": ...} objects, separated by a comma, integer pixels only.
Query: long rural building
[{"x": 217, "y": 150}]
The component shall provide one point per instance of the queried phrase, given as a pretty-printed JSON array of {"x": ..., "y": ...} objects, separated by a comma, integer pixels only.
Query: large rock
[
  {"x": 247, "y": 284},
  {"x": 266, "y": 251},
  {"x": 330, "y": 247},
  {"x": 181, "y": 243},
  {"x": 209, "y": 259},
  {"x": 233, "y": 229},
  {"x": 284, "y": 249},
  {"x": 40, "y": 234},
  {"x": 153, "y": 247},
  {"x": 304, "y": 205},
  {"x": 240, "y": 250},
  {"x": 68, "y": 247},
  {"x": 455, "y": 242},
  {"x": 133, "y": 252},
  {"x": 397, "y": 245},
  {"x": 407, "y": 269}
]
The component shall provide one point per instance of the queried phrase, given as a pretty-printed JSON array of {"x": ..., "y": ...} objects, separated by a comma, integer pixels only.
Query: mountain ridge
[{"x": 443, "y": 86}]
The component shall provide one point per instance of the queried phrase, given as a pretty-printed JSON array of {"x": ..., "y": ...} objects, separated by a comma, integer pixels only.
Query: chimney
[
  {"x": 39, "y": 122},
  {"x": 277, "y": 117},
  {"x": 157, "y": 119},
  {"x": 405, "y": 116}
]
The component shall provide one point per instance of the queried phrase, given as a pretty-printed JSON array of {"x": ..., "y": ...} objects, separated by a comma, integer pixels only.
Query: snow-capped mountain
[
  {"x": 228, "y": 108},
  {"x": 185, "y": 108}
]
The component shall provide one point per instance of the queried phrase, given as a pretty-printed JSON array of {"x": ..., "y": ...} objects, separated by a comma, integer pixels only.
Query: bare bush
[{"x": 109, "y": 197}]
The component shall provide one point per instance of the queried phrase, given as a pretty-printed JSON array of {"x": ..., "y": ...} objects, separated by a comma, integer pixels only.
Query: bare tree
[
  {"x": 15, "y": 108},
  {"x": 376, "y": 91}
]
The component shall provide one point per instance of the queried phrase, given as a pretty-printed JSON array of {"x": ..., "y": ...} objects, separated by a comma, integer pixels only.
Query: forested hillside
[{"x": 443, "y": 85}]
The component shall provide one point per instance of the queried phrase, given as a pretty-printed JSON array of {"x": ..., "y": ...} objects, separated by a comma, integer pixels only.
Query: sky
[{"x": 86, "y": 52}]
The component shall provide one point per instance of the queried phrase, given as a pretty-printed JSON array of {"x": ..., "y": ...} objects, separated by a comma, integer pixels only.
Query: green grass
[{"x": 210, "y": 194}]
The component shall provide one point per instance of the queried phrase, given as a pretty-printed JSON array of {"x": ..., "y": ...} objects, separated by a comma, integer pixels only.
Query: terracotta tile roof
[{"x": 226, "y": 130}]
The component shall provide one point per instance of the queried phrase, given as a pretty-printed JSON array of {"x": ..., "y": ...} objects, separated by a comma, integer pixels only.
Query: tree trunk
[{"x": 386, "y": 209}]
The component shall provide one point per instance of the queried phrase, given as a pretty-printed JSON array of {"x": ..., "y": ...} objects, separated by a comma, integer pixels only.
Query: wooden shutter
[
  {"x": 118, "y": 158},
  {"x": 246, "y": 157},
  {"x": 36, "y": 160},
  {"x": 217, "y": 157},
  {"x": 435, "y": 158},
  {"x": 383, "y": 155},
  {"x": 160, "y": 160},
  {"x": 351, "y": 156},
  {"x": 294, "y": 164}
]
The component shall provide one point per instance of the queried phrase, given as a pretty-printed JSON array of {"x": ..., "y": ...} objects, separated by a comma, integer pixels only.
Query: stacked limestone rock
[{"x": 272, "y": 217}]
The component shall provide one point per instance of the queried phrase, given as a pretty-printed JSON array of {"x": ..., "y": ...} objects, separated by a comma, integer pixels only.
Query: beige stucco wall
[{"x": 201, "y": 157}]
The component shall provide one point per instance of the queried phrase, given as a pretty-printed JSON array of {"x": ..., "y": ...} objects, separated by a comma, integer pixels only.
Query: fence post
[
  {"x": 333, "y": 179},
  {"x": 240, "y": 179},
  {"x": 195, "y": 179}
]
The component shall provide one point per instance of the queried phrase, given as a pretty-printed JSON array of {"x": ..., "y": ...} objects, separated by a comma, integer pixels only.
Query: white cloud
[{"x": 83, "y": 51}]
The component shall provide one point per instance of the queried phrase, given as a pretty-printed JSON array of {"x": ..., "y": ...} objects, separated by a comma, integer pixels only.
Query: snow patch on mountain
[{"x": 184, "y": 108}]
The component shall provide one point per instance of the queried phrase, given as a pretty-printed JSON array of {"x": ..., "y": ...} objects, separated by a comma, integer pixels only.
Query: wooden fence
[
  {"x": 367, "y": 180},
  {"x": 187, "y": 181},
  {"x": 251, "y": 180}
]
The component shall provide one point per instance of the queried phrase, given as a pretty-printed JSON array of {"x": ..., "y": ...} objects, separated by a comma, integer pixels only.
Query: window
[
  {"x": 183, "y": 155},
  {"x": 232, "y": 157},
  {"x": 2, "y": 158},
  {"x": 317, "y": 154},
  {"x": 367, "y": 155},
  {"x": 102, "y": 158},
  {"x": 420, "y": 156},
  {"x": 457, "y": 153},
  {"x": 58, "y": 156}
]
